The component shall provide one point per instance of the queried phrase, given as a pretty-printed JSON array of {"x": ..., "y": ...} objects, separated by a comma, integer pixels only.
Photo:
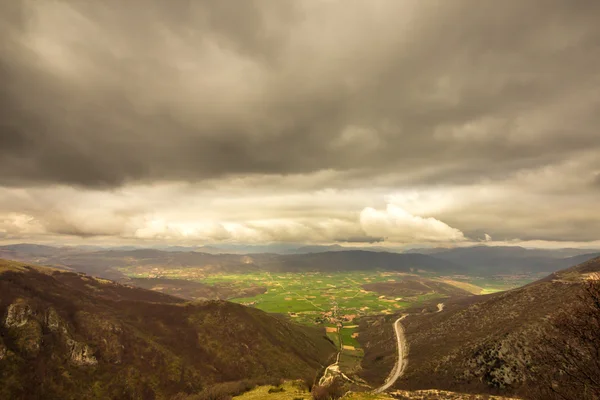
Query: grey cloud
[
  {"x": 360, "y": 239},
  {"x": 99, "y": 95},
  {"x": 541, "y": 217},
  {"x": 240, "y": 103},
  {"x": 596, "y": 180}
]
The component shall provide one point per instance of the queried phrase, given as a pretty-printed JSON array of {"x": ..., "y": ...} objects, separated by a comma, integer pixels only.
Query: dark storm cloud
[
  {"x": 596, "y": 180},
  {"x": 101, "y": 94}
]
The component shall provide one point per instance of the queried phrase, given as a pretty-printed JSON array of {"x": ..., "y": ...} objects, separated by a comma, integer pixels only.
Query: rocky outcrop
[
  {"x": 53, "y": 322},
  {"x": 81, "y": 353},
  {"x": 26, "y": 326},
  {"x": 17, "y": 314},
  {"x": 500, "y": 363}
]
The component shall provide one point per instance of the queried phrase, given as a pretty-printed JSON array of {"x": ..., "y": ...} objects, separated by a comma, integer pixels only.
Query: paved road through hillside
[{"x": 400, "y": 366}]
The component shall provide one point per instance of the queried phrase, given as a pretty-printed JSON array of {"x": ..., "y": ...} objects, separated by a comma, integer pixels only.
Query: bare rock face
[
  {"x": 53, "y": 322},
  {"x": 81, "y": 353},
  {"x": 27, "y": 331},
  {"x": 26, "y": 327},
  {"x": 18, "y": 314}
]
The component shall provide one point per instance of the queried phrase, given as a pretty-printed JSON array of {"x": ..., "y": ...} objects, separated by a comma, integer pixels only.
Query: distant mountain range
[
  {"x": 514, "y": 260},
  {"x": 477, "y": 260},
  {"x": 105, "y": 263},
  {"x": 281, "y": 248}
]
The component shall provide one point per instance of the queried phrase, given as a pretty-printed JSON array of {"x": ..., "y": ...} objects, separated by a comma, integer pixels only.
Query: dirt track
[{"x": 402, "y": 361}]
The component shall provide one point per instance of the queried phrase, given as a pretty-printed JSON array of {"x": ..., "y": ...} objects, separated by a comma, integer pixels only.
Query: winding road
[{"x": 402, "y": 361}]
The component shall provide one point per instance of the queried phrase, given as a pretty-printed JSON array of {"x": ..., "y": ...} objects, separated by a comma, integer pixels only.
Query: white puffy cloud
[
  {"x": 398, "y": 225},
  {"x": 19, "y": 224},
  {"x": 557, "y": 209}
]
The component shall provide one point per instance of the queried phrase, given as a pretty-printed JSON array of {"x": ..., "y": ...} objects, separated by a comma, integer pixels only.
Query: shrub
[
  {"x": 566, "y": 364},
  {"x": 333, "y": 391}
]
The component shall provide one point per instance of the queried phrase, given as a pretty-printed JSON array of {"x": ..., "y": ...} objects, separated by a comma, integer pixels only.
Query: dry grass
[
  {"x": 292, "y": 390},
  {"x": 464, "y": 285},
  {"x": 15, "y": 266},
  {"x": 7, "y": 265}
]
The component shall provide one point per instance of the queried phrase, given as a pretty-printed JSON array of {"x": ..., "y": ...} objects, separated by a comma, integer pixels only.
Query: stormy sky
[{"x": 380, "y": 122}]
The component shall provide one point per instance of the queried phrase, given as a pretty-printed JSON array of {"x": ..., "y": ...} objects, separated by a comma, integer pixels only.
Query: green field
[
  {"x": 317, "y": 298},
  {"x": 346, "y": 335},
  {"x": 332, "y": 300},
  {"x": 326, "y": 298}
]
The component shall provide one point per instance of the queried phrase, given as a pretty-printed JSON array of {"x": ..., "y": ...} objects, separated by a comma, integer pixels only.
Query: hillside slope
[
  {"x": 512, "y": 259},
  {"x": 105, "y": 263},
  {"x": 356, "y": 260},
  {"x": 69, "y": 336},
  {"x": 415, "y": 286},
  {"x": 479, "y": 344}
]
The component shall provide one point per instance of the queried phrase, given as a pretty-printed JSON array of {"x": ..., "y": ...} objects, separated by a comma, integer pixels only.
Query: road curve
[{"x": 402, "y": 361}]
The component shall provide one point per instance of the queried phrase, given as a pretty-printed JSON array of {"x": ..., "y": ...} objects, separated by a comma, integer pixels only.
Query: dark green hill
[{"x": 69, "y": 336}]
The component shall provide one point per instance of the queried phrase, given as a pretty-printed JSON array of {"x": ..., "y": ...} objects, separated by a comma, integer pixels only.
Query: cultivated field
[
  {"x": 333, "y": 300},
  {"x": 320, "y": 298}
]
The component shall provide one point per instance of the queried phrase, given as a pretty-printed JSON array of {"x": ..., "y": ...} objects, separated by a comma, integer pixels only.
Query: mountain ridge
[
  {"x": 68, "y": 335},
  {"x": 477, "y": 344}
]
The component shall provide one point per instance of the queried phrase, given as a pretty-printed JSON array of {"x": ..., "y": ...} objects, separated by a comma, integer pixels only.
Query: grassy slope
[
  {"x": 416, "y": 286},
  {"x": 191, "y": 290},
  {"x": 146, "y": 344},
  {"x": 294, "y": 391},
  {"x": 287, "y": 391}
]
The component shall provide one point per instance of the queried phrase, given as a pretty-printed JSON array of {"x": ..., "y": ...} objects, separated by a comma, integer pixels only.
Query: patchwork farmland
[{"x": 333, "y": 300}]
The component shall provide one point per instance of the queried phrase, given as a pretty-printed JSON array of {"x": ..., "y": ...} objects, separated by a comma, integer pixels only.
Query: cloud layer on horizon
[{"x": 325, "y": 121}]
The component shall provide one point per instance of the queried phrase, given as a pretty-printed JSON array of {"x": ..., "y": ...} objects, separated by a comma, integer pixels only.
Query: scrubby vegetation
[
  {"x": 566, "y": 363},
  {"x": 192, "y": 290},
  {"x": 333, "y": 391},
  {"x": 544, "y": 334},
  {"x": 69, "y": 336}
]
